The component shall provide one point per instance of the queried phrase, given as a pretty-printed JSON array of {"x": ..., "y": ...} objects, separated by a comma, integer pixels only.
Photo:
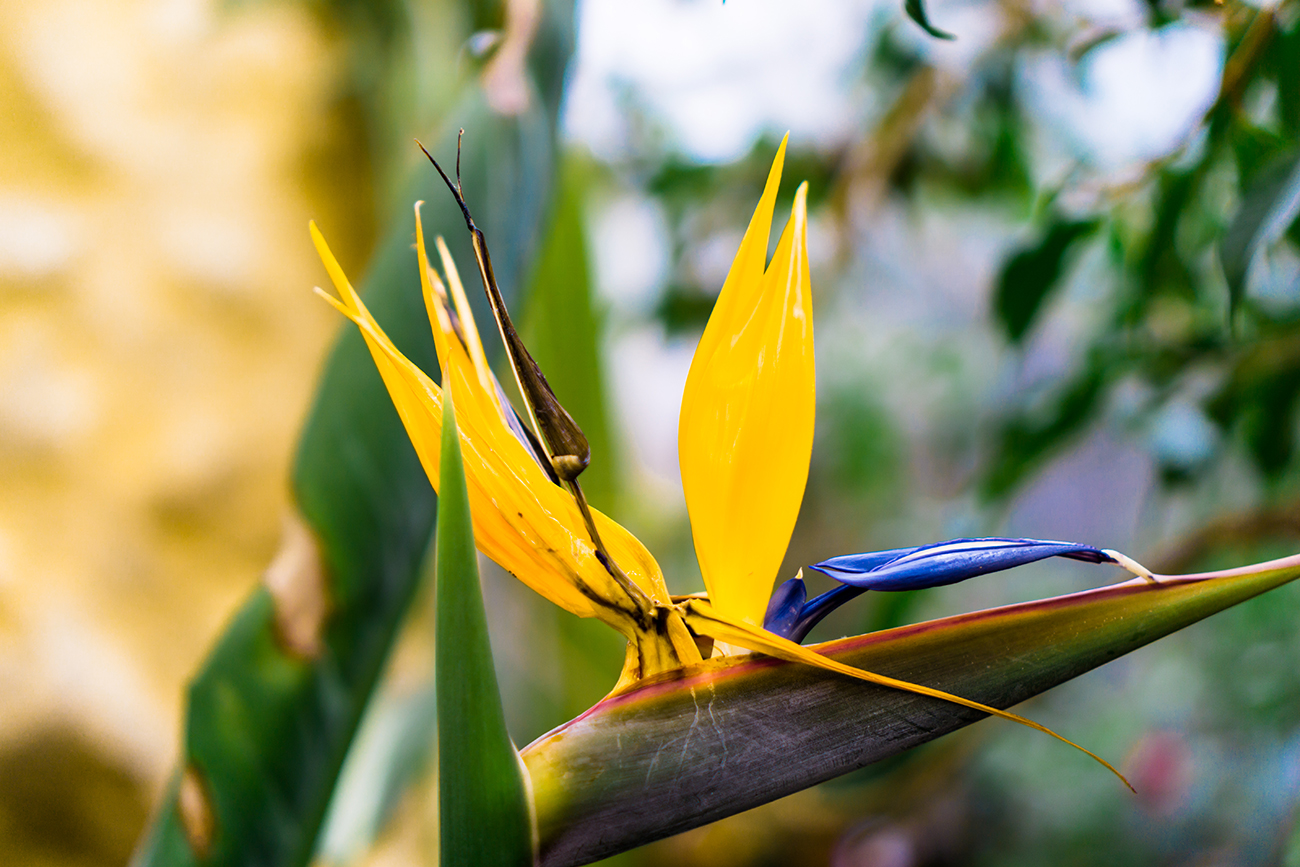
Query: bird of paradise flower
[{"x": 745, "y": 444}]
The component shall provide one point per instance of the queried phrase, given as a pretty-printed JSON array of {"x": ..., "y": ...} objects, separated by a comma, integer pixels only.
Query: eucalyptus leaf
[
  {"x": 1031, "y": 274},
  {"x": 1029, "y": 438},
  {"x": 1268, "y": 208},
  {"x": 915, "y": 10}
]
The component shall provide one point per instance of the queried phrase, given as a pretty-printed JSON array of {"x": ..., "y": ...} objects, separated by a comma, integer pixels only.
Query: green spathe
[{"x": 729, "y": 734}]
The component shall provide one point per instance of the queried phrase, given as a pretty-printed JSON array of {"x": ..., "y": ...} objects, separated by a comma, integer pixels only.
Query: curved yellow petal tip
[{"x": 746, "y": 427}]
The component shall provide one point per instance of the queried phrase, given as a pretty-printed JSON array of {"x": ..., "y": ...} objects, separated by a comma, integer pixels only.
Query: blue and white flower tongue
[{"x": 791, "y": 614}]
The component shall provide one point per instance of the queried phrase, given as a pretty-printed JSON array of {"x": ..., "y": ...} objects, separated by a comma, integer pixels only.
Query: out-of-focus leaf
[
  {"x": 732, "y": 733},
  {"x": 1160, "y": 269},
  {"x": 1284, "y": 50},
  {"x": 1248, "y": 35},
  {"x": 995, "y": 160},
  {"x": 1256, "y": 149},
  {"x": 1260, "y": 397},
  {"x": 1291, "y": 848},
  {"x": 563, "y": 330},
  {"x": 1268, "y": 208},
  {"x": 268, "y": 728},
  {"x": 684, "y": 309},
  {"x": 680, "y": 183},
  {"x": 1026, "y": 441},
  {"x": 915, "y": 10},
  {"x": 390, "y": 751},
  {"x": 482, "y": 800},
  {"x": 1029, "y": 275}
]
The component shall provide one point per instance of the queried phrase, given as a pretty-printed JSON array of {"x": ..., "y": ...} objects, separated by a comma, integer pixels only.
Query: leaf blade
[
  {"x": 267, "y": 732},
  {"x": 915, "y": 10},
  {"x": 482, "y": 800},
  {"x": 1031, "y": 275},
  {"x": 1267, "y": 209}
]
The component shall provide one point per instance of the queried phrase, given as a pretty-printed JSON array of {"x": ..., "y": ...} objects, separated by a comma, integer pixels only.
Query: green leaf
[
  {"x": 1259, "y": 397},
  {"x": 484, "y": 819},
  {"x": 1160, "y": 270},
  {"x": 1283, "y": 50},
  {"x": 732, "y": 733},
  {"x": 1032, "y": 273},
  {"x": 267, "y": 728},
  {"x": 1268, "y": 208},
  {"x": 393, "y": 748},
  {"x": 563, "y": 330},
  {"x": 1027, "y": 440},
  {"x": 915, "y": 10}
]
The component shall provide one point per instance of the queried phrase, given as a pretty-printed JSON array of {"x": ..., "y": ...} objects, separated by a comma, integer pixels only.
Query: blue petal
[
  {"x": 864, "y": 562},
  {"x": 949, "y": 562},
  {"x": 911, "y": 569},
  {"x": 818, "y": 607},
  {"x": 785, "y": 606}
]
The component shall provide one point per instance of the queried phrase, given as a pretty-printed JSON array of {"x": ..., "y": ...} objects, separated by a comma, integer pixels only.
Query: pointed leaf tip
[
  {"x": 484, "y": 808},
  {"x": 595, "y": 796},
  {"x": 916, "y": 11}
]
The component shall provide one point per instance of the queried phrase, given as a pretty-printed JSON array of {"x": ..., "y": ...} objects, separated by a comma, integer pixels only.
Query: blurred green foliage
[
  {"x": 1175, "y": 312},
  {"x": 1167, "y": 298},
  {"x": 562, "y": 328}
]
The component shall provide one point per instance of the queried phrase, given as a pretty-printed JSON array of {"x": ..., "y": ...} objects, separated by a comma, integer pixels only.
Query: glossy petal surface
[
  {"x": 746, "y": 428},
  {"x": 915, "y": 569},
  {"x": 785, "y": 606},
  {"x": 948, "y": 562}
]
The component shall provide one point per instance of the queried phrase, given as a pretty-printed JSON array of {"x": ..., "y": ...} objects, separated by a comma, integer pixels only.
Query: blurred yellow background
[{"x": 158, "y": 345}]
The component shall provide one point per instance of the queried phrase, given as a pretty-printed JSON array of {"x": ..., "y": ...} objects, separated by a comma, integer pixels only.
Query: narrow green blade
[
  {"x": 484, "y": 818},
  {"x": 730, "y": 734}
]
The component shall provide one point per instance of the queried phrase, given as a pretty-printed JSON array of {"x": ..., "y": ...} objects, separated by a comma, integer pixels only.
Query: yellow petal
[
  {"x": 703, "y": 619},
  {"x": 466, "y": 314},
  {"x": 746, "y": 429},
  {"x": 523, "y": 521}
]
